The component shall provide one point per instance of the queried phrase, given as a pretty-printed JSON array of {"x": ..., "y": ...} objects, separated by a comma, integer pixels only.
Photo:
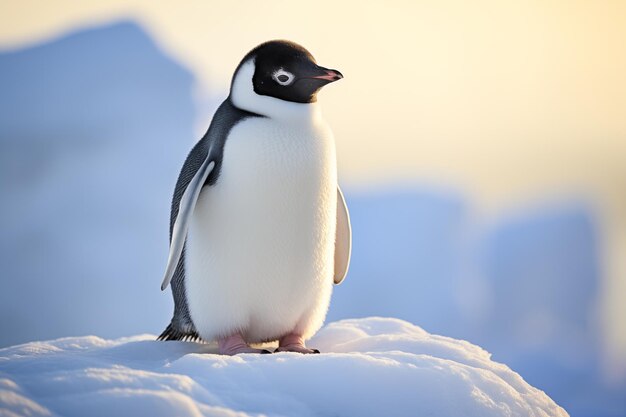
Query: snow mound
[{"x": 370, "y": 367}]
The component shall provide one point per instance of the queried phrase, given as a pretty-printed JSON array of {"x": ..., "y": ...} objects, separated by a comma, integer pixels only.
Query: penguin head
[{"x": 278, "y": 70}]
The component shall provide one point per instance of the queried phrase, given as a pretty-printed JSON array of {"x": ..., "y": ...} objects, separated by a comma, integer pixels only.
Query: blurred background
[{"x": 481, "y": 147}]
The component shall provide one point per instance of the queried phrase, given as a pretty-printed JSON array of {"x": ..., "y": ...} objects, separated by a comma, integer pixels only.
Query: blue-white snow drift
[{"x": 378, "y": 367}]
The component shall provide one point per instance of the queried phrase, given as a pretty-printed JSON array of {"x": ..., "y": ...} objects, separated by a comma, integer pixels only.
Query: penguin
[{"x": 259, "y": 228}]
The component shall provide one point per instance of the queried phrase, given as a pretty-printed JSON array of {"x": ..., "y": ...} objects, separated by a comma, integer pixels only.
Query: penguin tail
[{"x": 174, "y": 333}]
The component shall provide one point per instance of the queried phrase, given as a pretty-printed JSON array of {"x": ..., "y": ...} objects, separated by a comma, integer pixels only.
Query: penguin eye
[{"x": 283, "y": 77}]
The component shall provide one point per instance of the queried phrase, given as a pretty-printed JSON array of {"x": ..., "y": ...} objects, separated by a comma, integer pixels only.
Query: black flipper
[{"x": 185, "y": 211}]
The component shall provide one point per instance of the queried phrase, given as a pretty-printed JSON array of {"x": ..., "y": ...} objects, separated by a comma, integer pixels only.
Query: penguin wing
[
  {"x": 343, "y": 239},
  {"x": 204, "y": 158},
  {"x": 185, "y": 210}
]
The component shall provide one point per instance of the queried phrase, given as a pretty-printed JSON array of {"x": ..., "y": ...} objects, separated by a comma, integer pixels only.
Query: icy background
[{"x": 93, "y": 129}]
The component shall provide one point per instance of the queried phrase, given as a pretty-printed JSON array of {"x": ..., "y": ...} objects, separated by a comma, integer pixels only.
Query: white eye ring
[{"x": 283, "y": 77}]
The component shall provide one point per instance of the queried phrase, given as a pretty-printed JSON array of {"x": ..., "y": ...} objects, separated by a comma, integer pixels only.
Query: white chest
[
  {"x": 276, "y": 185},
  {"x": 261, "y": 240},
  {"x": 263, "y": 158}
]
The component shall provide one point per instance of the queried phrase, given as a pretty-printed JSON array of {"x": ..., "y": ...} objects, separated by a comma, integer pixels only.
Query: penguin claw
[
  {"x": 294, "y": 342},
  {"x": 296, "y": 348}
]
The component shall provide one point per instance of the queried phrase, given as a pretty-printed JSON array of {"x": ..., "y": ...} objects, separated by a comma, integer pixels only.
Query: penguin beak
[
  {"x": 328, "y": 75},
  {"x": 313, "y": 79}
]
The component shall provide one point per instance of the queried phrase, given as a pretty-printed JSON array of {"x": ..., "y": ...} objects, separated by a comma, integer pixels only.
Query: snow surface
[{"x": 371, "y": 367}]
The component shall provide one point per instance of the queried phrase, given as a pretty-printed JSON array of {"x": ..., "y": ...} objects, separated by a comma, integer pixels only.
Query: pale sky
[{"x": 509, "y": 102}]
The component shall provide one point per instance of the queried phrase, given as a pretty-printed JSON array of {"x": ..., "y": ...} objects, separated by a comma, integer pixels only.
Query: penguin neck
[{"x": 243, "y": 96}]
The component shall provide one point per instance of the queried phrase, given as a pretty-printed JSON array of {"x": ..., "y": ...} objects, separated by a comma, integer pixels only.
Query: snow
[{"x": 369, "y": 367}]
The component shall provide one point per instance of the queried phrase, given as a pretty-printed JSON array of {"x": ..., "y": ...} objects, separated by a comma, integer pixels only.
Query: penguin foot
[
  {"x": 235, "y": 344},
  {"x": 293, "y": 343}
]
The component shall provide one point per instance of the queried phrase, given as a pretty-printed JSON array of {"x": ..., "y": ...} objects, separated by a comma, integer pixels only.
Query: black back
[{"x": 226, "y": 116}]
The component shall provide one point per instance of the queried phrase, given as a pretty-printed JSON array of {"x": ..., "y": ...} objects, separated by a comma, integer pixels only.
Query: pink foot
[
  {"x": 293, "y": 343},
  {"x": 233, "y": 345}
]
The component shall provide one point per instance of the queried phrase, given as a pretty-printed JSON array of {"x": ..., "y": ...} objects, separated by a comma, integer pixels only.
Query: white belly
[{"x": 260, "y": 249}]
